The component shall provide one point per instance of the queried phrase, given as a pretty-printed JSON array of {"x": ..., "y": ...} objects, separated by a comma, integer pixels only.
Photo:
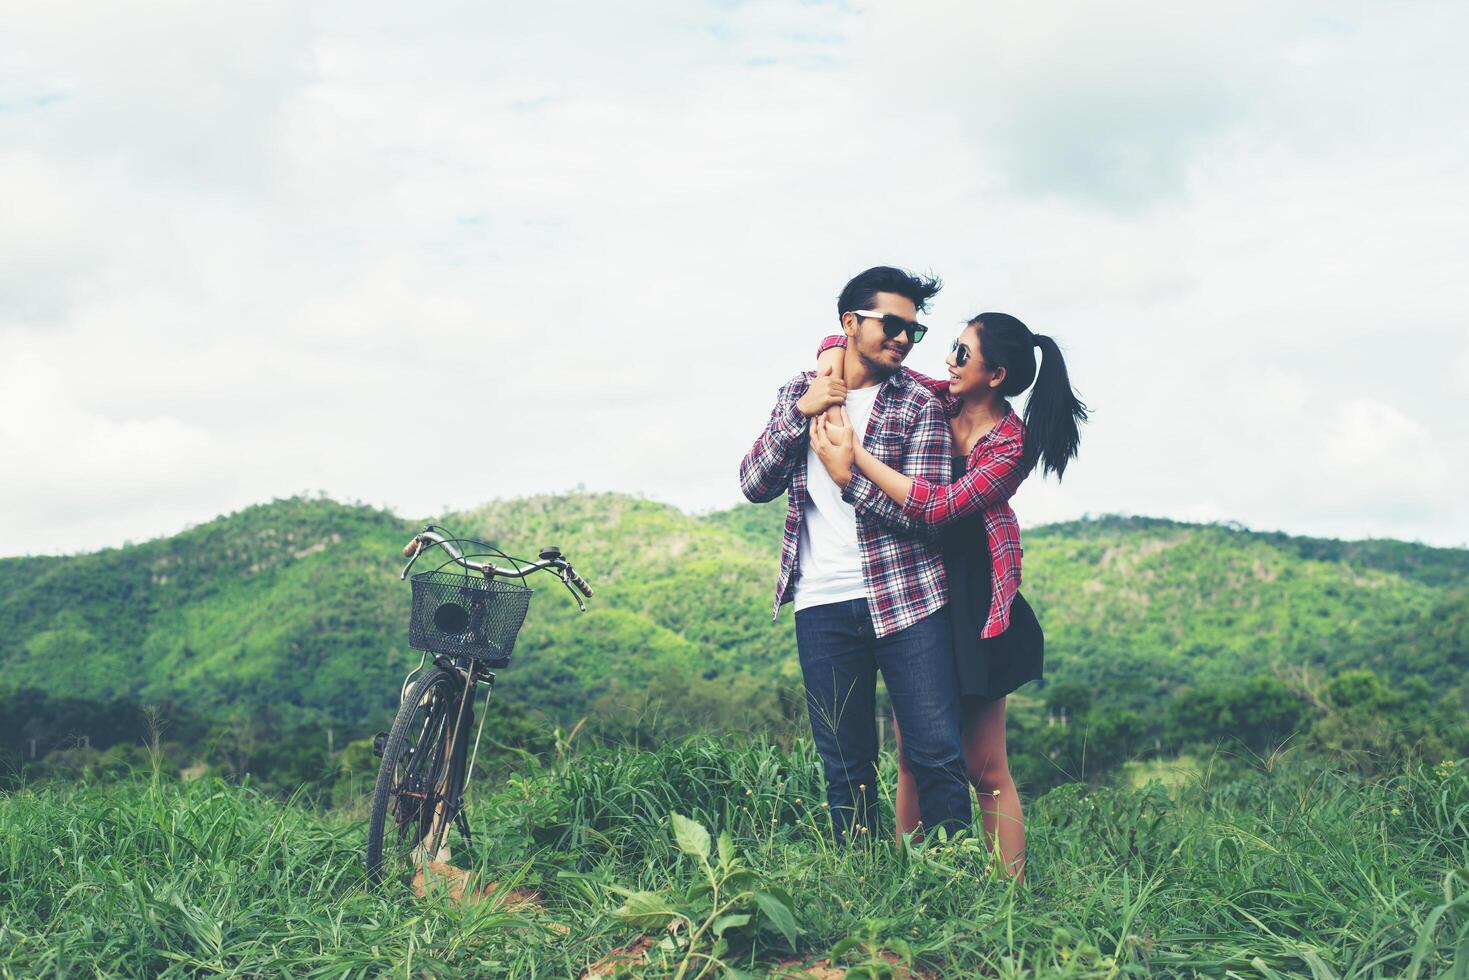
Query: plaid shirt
[
  {"x": 995, "y": 471},
  {"x": 901, "y": 564}
]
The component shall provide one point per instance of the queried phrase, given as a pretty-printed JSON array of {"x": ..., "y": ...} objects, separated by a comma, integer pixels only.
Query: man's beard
[{"x": 879, "y": 370}]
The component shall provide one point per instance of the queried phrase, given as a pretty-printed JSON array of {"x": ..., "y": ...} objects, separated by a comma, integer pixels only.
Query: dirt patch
[
  {"x": 799, "y": 970},
  {"x": 626, "y": 960},
  {"x": 825, "y": 969},
  {"x": 628, "y": 957},
  {"x": 1127, "y": 556},
  {"x": 460, "y": 886},
  {"x": 319, "y": 547}
]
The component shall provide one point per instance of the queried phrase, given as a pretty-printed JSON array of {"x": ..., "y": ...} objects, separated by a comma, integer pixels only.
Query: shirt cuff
[
  {"x": 836, "y": 340},
  {"x": 918, "y": 495},
  {"x": 795, "y": 420},
  {"x": 859, "y": 491}
]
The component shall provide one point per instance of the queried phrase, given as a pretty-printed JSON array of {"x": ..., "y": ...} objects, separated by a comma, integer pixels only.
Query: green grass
[
  {"x": 1173, "y": 773},
  {"x": 1298, "y": 871}
]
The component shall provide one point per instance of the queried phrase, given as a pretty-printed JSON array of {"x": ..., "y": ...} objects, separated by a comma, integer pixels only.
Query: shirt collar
[
  {"x": 1003, "y": 429},
  {"x": 898, "y": 379}
]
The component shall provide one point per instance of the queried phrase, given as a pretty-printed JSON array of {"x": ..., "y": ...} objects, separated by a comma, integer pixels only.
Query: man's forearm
[{"x": 766, "y": 469}]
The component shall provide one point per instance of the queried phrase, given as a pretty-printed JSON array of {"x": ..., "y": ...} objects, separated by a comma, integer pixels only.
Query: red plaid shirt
[
  {"x": 995, "y": 471},
  {"x": 901, "y": 564}
]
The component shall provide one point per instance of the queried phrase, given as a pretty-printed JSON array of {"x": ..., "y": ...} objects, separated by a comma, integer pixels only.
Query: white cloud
[
  {"x": 73, "y": 466},
  {"x": 1383, "y": 463},
  {"x": 444, "y": 254},
  {"x": 1100, "y": 104}
]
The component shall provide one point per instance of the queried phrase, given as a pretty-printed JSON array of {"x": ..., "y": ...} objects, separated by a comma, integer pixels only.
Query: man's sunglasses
[
  {"x": 892, "y": 324},
  {"x": 961, "y": 354}
]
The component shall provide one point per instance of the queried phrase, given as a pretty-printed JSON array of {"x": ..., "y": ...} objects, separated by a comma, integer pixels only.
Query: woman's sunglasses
[
  {"x": 961, "y": 354},
  {"x": 892, "y": 325}
]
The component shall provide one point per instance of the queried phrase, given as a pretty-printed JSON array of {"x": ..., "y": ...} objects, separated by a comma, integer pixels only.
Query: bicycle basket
[{"x": 466, "y": 616}]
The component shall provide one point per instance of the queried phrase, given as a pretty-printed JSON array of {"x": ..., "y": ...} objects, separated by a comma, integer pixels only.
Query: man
[{"x": 867, "y": 582}]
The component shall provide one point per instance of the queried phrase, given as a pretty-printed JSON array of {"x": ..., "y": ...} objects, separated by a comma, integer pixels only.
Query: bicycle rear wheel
[{"x": 421, "y": 777}]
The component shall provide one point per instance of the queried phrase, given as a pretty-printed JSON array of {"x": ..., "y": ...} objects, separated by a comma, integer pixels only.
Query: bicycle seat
[{"x": 550, "y": 554}]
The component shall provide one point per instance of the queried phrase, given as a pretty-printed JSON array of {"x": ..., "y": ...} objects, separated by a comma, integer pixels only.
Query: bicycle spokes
[{"x": 422, "y": 799}]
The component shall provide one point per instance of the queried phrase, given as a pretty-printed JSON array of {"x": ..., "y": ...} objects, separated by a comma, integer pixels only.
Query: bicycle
[{"x": 467, "y": 619}]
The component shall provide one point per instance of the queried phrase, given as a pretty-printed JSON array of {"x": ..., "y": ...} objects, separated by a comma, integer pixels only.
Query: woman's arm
[
  {"x": 896, "y": 485},
  {"x": 938, "y": 387},
  {"x": 838, "y": 343},
  {"x": 994, "y": 478},
  {"x": 830, "y": 357},
  {"x": 925, "y": 451}
]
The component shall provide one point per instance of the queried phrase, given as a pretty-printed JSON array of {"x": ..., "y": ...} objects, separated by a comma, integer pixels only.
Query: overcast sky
[{"x": 426, "y": 255}]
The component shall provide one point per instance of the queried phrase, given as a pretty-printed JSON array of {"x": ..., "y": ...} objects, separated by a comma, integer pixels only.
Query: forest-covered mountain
[
  {"x": 1222, "y": 661},
  {"x": 296, "y": 605}
]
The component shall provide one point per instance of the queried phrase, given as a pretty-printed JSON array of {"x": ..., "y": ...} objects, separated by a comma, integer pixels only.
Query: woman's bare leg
[
  {"x": 906, "y": 805},
  {"x": 989, "y": 770}
]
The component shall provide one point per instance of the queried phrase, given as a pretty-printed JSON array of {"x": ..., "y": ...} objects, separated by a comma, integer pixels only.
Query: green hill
[
  {"x": 1138, "y": 608},
  {"x": 296, "y": 605},
  {"x": 285, "y": 622}
]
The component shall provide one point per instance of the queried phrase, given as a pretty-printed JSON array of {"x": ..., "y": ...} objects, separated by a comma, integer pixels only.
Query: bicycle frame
[
  {"x": 448, "y": 785},
  {"x": 450, "y": 791}
]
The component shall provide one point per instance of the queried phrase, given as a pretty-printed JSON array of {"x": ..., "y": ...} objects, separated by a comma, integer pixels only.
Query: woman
[{"x": 998, "y": 641}]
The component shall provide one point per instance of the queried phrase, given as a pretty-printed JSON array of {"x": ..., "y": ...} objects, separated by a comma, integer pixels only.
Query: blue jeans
[{"x": 840, "y": 658}]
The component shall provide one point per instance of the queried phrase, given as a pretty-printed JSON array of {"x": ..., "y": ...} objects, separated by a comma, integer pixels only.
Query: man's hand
[
  {"x": 835, "y": 447},
  {"x": 827, "y": 390}
]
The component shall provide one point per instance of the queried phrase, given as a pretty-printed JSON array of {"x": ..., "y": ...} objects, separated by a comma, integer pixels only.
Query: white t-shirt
[{"x": 829, "y": 562}]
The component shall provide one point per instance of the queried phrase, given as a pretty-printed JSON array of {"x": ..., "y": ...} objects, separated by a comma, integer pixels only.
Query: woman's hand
[{"x": 835, "y": 447}]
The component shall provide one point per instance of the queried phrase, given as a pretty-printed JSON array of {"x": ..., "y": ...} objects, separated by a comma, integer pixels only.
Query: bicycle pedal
[{"x": 379, "y": 744}]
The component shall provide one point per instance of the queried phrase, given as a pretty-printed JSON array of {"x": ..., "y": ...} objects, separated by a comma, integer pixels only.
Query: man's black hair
[{"x": 859, "y": 292}]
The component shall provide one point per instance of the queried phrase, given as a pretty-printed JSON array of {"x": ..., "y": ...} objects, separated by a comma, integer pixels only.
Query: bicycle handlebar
[
  {"x": 428, "y": 538},
  {"x": 579, "y": 582}
]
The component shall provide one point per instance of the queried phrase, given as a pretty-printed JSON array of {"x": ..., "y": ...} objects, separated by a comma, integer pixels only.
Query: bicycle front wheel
[{"x": 420, "y": 779}]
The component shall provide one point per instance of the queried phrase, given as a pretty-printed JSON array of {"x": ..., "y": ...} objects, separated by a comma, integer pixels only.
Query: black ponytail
[{"x": 1054, "y": 413}]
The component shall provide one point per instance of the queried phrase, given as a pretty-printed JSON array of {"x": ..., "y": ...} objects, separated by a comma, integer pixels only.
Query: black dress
[{"x": 988, "y": 668}]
